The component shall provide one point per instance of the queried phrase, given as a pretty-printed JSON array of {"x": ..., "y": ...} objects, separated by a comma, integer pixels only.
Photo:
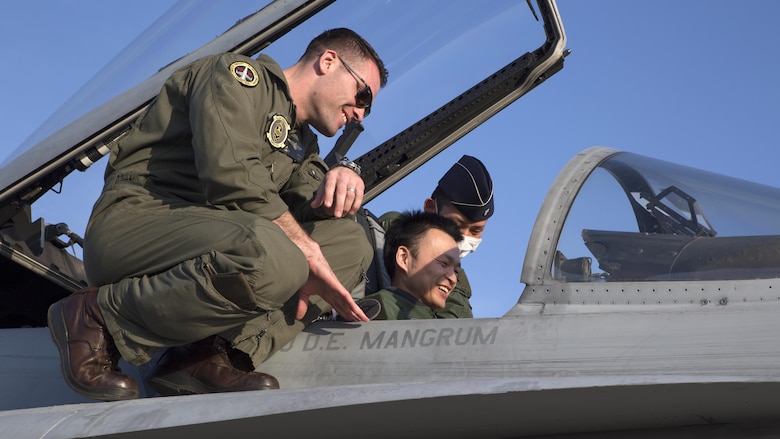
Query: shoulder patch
[{"x": 244, "y": 73}]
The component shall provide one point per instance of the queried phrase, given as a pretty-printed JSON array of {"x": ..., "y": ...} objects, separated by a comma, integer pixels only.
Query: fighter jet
[{"x": 648, "y": 307}]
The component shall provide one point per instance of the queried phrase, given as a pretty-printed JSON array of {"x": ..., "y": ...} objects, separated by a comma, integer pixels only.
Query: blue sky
[{"x": 692, "y": 82}]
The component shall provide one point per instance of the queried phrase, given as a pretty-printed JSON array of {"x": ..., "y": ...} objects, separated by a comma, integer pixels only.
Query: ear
[
  {"x": 403, "y": 258},
  {"x": 429, "y": 205},
  {"x": 327, "y": 61}
]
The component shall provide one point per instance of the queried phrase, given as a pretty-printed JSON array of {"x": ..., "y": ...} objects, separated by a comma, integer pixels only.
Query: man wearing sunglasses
[{"x": 220, "y": 233}]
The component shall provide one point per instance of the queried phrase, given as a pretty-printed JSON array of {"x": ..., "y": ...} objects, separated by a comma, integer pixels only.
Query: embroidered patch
[
  {"x": 278, "y": 131},
  {"x": 244, "y": 73}
]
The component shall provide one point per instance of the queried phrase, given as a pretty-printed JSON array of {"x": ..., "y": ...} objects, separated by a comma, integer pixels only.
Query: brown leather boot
[
  {"x": 88, "y": 356},
  {"x": 205, "y": 367}
]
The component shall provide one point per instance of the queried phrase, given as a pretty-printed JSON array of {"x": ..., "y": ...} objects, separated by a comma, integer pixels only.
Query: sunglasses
[{"x": 364, "y": 97}]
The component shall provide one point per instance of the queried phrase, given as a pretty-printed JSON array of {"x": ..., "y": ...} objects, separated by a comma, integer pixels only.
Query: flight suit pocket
[
  {"x": 302, "y": 187},
  {"x": 312, "y": 173},
  {"x": 235, "y": 288},
  {"x": 280, "y": 167}
]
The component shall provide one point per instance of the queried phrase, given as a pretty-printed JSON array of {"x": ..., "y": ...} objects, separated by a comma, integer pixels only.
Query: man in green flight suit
[
  {"x": 421, "y": 256},
  {"x": 465, "y": 195},
  {"x": 220, "y": 233}
]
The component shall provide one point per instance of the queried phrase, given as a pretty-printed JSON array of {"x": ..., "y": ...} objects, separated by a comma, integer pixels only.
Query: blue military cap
[{"x": 469, "y": 186}]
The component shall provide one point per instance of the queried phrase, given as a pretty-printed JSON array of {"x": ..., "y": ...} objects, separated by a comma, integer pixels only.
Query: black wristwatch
[{"x": 347, "y": 163}]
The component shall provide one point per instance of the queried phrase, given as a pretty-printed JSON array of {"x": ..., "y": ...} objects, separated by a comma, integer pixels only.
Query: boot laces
[{"x": 111, "y": 361}]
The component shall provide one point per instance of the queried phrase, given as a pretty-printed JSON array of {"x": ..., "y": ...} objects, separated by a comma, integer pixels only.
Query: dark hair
[
  {"x": 408, "y": 229},
  {"x": 348, "y": 44}
]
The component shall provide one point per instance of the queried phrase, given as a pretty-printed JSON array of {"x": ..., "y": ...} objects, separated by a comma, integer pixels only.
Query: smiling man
[
  {"x": 422, "y": 257},
  {"x": 220, "y": 232}
]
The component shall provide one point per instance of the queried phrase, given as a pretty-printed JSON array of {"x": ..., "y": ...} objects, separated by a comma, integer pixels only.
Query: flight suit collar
[{"x": 275, "y": 70}]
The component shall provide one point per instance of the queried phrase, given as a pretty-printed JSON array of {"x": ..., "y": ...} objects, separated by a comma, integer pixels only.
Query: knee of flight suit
[
  {"x": 265, "y": 281},
  {"x": 345, "y": 245}
]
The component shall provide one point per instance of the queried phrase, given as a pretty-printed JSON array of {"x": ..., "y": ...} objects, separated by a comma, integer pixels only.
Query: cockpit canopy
[{"x": 640, "y": 219}]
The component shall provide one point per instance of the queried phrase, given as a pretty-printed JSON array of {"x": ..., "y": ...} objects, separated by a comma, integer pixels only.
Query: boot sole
[
  {"x": 182, "y": 383},
  {"x": 59, "y": 334},
  {"x": 176, "y": 383}
]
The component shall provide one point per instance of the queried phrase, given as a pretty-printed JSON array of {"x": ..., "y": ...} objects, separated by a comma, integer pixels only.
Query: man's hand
[
  {"x": 322, "y": 280},
  {"x": 324, "y": 283},
  {"x": 341, "y": 193}
]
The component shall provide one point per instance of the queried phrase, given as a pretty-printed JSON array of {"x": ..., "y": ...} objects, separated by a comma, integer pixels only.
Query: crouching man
[{"x": 220, "y": 232}]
